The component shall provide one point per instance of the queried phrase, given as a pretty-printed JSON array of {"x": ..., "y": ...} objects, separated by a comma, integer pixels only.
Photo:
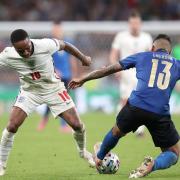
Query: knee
[
  {"x": 175, "y": 158},
  {"x": 175, "y": 151},
  {"x": 117, "y": 132},
  {"x": 12, "y": 127},
  {"x": 178, "y": 150},
  {"x": 77, "y": 126}
]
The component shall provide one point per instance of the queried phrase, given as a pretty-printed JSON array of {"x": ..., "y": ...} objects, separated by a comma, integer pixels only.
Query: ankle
[{"x": 8, "y": 134}]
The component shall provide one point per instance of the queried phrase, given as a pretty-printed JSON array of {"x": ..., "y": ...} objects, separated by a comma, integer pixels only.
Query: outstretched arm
[
  {"x": 86, "y": 60},
  {"x": 105, "y": 71}
]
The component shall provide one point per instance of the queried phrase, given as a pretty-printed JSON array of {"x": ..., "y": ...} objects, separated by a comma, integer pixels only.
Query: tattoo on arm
[
  {"x": 73, "y": 51},
  {"x": 105, "y": 71}
]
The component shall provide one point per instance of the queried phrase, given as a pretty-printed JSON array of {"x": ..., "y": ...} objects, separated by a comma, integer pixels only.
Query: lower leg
[
  {"x": 165, "y": 160},
  {"x": 72, "y": 118},
  {"x": 5, "y": 146},
  {"x": 42, "y": 124},
  {"x": 79, "y": 133},
  {"x": 109, "y": 142},
  {"x": 80, "y": 138},
  {"x": 16, "y": 119}
]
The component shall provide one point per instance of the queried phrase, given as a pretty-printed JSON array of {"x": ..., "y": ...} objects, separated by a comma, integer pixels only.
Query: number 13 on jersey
[{"x": 163, "y": 77}]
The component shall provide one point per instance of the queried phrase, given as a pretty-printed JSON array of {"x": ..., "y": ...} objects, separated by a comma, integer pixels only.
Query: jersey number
[
  {"x": 163, "y": 77},
  {"x": 64, "y": 96},
  {"x": 35, "y": 75}
]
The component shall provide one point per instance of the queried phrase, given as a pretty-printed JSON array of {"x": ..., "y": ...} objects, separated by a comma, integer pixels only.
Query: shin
[
  {"x": 110, "y": 141},
  {"x": 16, "y": 119}
]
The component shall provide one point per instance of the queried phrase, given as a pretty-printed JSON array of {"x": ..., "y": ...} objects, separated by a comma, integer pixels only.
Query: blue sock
[
  {"x": 165, "y": 160},
  {"x": 108, "y": 143}
]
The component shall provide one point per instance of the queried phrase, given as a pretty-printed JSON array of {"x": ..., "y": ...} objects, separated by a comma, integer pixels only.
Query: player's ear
[{"x": 153, "y": 48}]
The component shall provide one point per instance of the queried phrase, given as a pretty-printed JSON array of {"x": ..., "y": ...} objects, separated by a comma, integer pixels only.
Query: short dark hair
[
  {"x": 134, "y": 14},
  {"x": 18, "y": 35},
  {"x": 57, "y": 21},
  {"x": 163, "y": 36}
]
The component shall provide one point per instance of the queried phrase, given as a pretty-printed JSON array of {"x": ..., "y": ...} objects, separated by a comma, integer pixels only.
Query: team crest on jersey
[{"x": 21, "y": 99}]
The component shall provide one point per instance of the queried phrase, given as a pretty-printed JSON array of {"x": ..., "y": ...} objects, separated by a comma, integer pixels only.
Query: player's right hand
[
  {"x": 75, "y": 83},
  {"x": 86, "y": 61}
]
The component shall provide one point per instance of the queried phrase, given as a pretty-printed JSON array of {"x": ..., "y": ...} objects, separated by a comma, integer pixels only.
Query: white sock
[
  {"x": 5, "y": 146},
  {"x": 140, "y": 130},
  {"x": 80, "y": 138}
]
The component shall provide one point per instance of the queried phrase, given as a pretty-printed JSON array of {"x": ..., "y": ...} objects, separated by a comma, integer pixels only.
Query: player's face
[
  {"x": 57, "y": 31},
  {"x": 24, "y": 48},
  {"x": 135, "y": 25}
]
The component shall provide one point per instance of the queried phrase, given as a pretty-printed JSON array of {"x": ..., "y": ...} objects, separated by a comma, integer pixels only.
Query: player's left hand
[{"x": 86, "y": 61}]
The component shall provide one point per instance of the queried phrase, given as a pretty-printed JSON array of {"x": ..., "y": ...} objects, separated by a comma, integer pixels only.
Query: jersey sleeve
[
  {"x": 130, "y": 61},
  {"x": 52, "y": 45},
  {"x": 3, "y": 58}
]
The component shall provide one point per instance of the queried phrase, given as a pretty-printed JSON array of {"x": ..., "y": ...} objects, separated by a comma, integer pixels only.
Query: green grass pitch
[{"x": 51, "y": 155}]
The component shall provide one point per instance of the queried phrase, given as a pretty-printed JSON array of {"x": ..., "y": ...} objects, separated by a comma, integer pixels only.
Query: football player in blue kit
[{"x": 157, "y": 73}]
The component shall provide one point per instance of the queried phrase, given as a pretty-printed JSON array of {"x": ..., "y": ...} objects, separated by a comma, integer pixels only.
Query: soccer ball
[{"x": 110, "y": 164}]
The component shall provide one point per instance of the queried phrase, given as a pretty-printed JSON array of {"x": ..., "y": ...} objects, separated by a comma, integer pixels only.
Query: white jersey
[
  {"x": 37, "y": 72},
  {"x": 127, "y": 44}
]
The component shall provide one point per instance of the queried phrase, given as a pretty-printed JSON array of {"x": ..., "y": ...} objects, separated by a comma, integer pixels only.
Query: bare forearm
[
  {"x": 74, "y": 51},
  {"x": 105, "y": 71}
]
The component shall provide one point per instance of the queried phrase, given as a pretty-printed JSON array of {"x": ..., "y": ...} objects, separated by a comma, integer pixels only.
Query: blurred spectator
[
  {"x": 125, "y": 44},
  {"x": 88, "y": 10}
]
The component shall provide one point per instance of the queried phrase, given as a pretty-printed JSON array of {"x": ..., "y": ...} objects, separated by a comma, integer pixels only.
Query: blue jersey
[
  {"x": 157, "y": 73},
  {"x": 62, "y": 64}
]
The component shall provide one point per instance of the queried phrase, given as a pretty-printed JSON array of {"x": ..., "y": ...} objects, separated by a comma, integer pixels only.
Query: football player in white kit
[
  {"x": 32, "y": 59},
  {"x": 127, "y": 43}
]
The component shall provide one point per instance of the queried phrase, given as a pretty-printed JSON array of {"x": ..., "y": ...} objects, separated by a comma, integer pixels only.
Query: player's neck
[
  {"x": 134, "y": 34},
  {"x": 32, "y": 46}
]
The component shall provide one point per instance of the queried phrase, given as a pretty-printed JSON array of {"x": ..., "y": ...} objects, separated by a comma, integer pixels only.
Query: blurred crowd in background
[
  {"x": 102, "y": 94},
  {"x": 87, "y": 10}
]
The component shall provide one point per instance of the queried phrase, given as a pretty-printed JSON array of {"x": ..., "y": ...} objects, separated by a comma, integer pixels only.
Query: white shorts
[
  {"x": 125, "y": 90},
  {"x": 58, "y": 101},
  {"x": 128, "y": 83}
]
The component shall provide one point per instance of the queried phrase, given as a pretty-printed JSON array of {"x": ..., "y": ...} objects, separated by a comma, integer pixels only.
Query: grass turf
[{"x": 51, "y": 155}]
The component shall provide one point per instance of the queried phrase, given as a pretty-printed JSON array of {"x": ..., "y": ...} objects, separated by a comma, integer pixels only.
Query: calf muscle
[{"x": 17, "y": 117}]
